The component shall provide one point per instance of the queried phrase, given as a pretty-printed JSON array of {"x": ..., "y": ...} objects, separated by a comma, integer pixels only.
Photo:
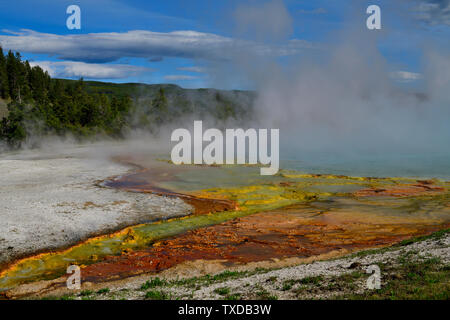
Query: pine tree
[
  {"x": 12, "y": 68},
  {"x": 160, "y": 106},
  {"x": 24, "y": 81},
  {"x": 38, "y": 84},
  {"x": 4, "y": 87}
]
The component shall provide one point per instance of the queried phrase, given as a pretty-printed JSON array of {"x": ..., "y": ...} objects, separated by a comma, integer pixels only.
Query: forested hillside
[
  {"x": 32, "y": 104},
  {"x": 154, "y": 104},
  {"x": 39, "y": 105}
]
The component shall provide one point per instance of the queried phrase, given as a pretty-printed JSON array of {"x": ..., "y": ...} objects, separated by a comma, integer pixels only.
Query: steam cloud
[{"x": 342, "y": 96}]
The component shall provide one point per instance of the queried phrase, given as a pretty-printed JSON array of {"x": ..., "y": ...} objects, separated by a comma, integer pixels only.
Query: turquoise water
[{"x": 423, "y": 165}]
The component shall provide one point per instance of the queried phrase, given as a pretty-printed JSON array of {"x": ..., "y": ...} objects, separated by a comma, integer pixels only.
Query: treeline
[{"x": 39, "y": 105}]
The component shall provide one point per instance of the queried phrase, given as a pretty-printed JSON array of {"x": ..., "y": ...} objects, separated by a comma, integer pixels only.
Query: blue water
[{"x": 423, "y": 165}]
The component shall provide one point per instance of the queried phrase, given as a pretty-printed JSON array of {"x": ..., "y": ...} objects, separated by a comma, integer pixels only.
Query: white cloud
[
  {"x": 405, "y": 76},
  {"x": 193, "y": 69},
  {"x": 433, "y": 12},
  {"x": 108, "y": 47},
  {"x": 74, "y": 69},
  {"x": 179, "y": 77}
]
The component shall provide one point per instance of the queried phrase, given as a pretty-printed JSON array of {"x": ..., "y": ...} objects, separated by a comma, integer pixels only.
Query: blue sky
[{"x": 181, "y": 41}]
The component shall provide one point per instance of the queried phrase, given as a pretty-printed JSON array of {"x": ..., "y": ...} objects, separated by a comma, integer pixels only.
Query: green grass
[
  {"x": 222, "y": 291},
  {"x": 235, "y": 296},
  {"x": 156, "y": 295},
  {"x": 102, "y": 291},
  {"x": 85, "y": 293},
  {"x": 287, "y": 285},
  {"x": 153, "y": 283},
  {"x": 263, "y": 294},
  {"x": 412, "y": 280},
  {"x": 311, "y": 280},
  {"x": 210, "y": 279},
  {"x": 344, "y": 282}
]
